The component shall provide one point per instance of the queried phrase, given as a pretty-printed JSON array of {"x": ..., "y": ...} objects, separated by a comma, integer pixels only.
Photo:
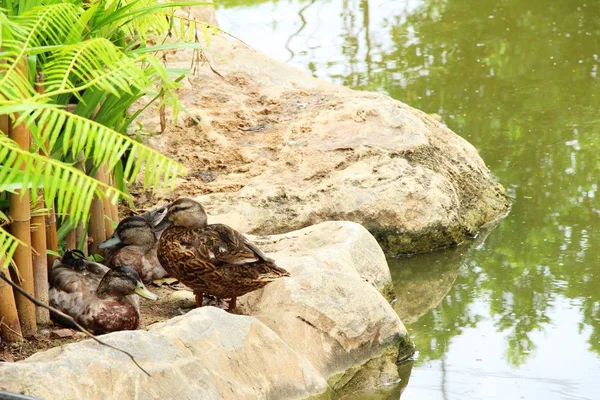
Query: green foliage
[{"x": 100, "y": 56}]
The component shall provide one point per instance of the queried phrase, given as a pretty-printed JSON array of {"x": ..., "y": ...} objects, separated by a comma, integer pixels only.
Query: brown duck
[
  {"x": 211, "y": 259},
  {"x": 134, "y": 244},
  {"x": 74, "y": 273},
  {"x": 110, "y": 305}
]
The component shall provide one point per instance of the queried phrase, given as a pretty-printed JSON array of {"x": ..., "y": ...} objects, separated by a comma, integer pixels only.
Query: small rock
[
  {"x": 184, "y": 296},
  {"x": 79, "y": 335},
  {"x": 6, "y": 357},
  {"x": 164, "y": 281},
  {"x": 61, "y": 333}
]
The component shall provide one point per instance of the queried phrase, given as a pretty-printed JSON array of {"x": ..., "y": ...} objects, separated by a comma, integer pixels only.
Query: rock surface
[
  {"x": 299, "y": 332},
  {"x": 277, "y": 150}
]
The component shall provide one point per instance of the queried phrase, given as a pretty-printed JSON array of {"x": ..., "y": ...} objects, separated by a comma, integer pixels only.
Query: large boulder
[
  {"x": 299, "y": 338},
  {"x": 277, "y": 150}
]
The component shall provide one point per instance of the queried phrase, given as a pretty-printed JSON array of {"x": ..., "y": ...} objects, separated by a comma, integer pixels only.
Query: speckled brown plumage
[
  {"x": 74, "y": 273},
  {"x": 136, "y": 248},
  {"x": 212, "y": 259},
  {"x": 107, "y": 306}
]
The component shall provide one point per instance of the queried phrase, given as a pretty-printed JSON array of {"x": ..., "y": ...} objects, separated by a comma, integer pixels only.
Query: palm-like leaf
[
  {"x": 102, "y": 144},
  {"x": 8, "y": 245},
  {"x": 41, "y": 26},
  {"x": 72, "y": 188},
  {"x": 81, "y": 52}
]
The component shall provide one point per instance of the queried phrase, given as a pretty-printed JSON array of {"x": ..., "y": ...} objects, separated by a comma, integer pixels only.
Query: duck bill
[
  {"x": 162, "y": 225},
  {"x": 112, "y": 241},
  {"x": 145, "y": 293}
]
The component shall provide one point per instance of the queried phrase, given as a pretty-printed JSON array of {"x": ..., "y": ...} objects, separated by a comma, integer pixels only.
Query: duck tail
[{"x": 273, "y": 272}]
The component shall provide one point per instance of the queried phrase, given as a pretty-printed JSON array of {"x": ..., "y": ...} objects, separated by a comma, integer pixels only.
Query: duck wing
[
  {"x": 224, "y": 245},
  {"x": 80, "y": 276}
]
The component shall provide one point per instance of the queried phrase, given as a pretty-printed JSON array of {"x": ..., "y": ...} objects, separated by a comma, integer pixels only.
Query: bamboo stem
[
  {"x": 38, "y": 242},
  {"x": 79, "y": 230},
  {"x": 5, "y": 124},
  {"x": 10, "y": 328},
  {"x": 96, "y": 228},
  {"x": 40, "y": 263},
  {"x": 114, "y": 209},
  {"x": 106, "y": 209},
  {"x": 71, "y": 239},
  {"x": 21, "y": 229},
  {"x": 51, "y": 236}
]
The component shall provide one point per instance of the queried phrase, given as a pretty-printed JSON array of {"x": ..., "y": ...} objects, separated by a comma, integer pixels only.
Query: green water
[{"x": 515, "y": 314}]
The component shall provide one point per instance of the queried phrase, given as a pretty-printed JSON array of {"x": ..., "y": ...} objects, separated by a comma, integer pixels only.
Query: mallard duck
[
  {"x": 211, "y": 259},
  {"x": 109, "y": 306},
  {"x": 134, "y": 244},
  {"x": 73, "y": 272}
]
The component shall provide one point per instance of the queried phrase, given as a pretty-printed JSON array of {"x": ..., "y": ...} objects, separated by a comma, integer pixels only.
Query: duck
[
  {"x": 73, "y": 272},
  {"x": 134, "y": 244},
  {"x": 111, "y": 305},
  {"x": 211, "y": 259}
]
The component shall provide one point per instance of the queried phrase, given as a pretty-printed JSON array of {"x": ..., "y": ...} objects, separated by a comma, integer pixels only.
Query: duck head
[
  {"x": 74, "y": 259},
  {"x": 135, "y": 231},
  {"x": 184, "y": 212},
  {"x": 123, "y": 281}
]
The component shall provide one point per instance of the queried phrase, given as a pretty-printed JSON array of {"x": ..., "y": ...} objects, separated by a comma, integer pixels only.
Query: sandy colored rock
[
  {"x": 299, "y": 337},
  {"x": 277, "y": 150},
  {"x": 61, "y": 333}
]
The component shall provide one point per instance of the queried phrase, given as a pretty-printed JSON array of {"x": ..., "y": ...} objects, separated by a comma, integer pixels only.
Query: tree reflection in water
[{"x": 519, "y": 81}]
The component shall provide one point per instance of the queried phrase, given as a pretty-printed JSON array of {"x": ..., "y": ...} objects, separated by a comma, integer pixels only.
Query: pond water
[{"x": 516, "y": 313}]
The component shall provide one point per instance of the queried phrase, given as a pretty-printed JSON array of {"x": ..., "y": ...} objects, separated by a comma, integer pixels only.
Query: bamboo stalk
[
  {"x": 51, "y": 236},
  {"x": 71, "y": 239},
  {"x": 10, "y": 328},
  {"x": 38, "y": 242},
  {"x": 106, "y": 209},
  {"x": 114, "y": 209},
  {"x": 40, "y": 263},
  {"x": 96, "y": 227},
  {"x": 21, "y": 229},
  {"x": 80, "y": 229},
  {"x": 4, "y": 124}
]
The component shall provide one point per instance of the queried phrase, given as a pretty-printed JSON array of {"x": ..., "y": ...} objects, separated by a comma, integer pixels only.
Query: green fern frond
[
  {"x": 98, "y": 63},
  {"x": 3, "y": 218},
  {"x": 102, "y": 144},
  {"x": 41, "y": 26},
  {"x": 8, "y": 245},
  {"x": 72, "y": 188},
  {"x": 141, "y": 18}
]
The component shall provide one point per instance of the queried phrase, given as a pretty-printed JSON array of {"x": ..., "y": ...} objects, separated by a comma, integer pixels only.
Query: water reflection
[{"x": 519, "y": 81}]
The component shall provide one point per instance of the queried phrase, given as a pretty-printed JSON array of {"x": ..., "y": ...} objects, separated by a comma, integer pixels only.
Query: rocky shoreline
[{"x": 299, "y": 336}]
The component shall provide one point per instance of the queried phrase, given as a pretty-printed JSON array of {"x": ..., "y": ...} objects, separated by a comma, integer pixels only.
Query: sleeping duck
[
  {"x": 76, "y": 272},
  {"x": 109, "y": 306},
  {"x": 211, "y": 259},
  {"x": 134, "y": 244}
]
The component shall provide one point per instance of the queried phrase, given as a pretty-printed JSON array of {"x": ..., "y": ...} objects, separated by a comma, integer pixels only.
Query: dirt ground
[{"x": 151, "y": 312}]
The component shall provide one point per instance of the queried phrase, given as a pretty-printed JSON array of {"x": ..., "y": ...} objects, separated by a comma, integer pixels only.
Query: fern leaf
[
  {"x": 8, "y": 245},
  {"x": 104, "y": 145},
  {"x": 71, "y": 187}
]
